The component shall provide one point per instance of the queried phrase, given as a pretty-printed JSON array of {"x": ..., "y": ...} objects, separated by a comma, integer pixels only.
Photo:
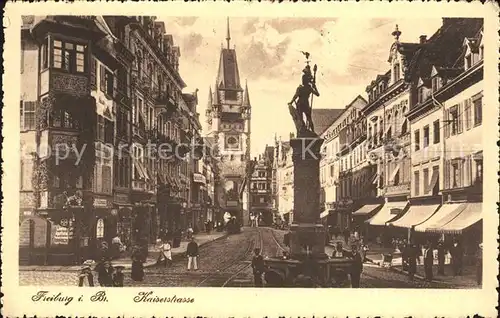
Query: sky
[{"x": 349, "y": 54}]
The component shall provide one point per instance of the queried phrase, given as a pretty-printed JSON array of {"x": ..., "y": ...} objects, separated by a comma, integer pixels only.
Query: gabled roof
[
  {"x": 323, "y": 118},
  {"x": 228, "y": 76},
  {"x": 445, "y": 47}
]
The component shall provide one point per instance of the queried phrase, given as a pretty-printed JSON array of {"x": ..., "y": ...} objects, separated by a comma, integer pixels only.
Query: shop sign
[
  {"x": 63, "y": 235},
  {"x": 199, "y": 178},
  {"x": 100, "y": 228},
  {"x": 101, "y": 203}
]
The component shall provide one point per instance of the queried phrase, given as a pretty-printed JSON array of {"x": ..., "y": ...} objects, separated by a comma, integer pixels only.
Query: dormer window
[
  {"x": 436, "y": 83},
  {"x": 396, "y": 74},
  {"x": 468, "y": 61},
  {"x": 420, "y": 94}
]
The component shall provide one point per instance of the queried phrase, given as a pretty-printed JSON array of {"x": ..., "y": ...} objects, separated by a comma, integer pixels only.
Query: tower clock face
[{"x": 232, "y": 142}]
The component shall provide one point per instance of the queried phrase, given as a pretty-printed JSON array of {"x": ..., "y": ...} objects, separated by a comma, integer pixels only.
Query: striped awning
[
  {"x": 389, "y": 211},
  {"x": 366, "y": 209},
  {"x": 415, "y": 215},
  {"x": 469, "y": 216},
  {"x": 445, "y": 214}
]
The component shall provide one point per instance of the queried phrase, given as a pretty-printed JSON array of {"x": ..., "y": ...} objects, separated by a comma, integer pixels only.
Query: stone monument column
[{"x": 307, "y": 236}]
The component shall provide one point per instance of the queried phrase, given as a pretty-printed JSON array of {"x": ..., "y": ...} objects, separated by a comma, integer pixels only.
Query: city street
[{"x": 226, "y": 263}]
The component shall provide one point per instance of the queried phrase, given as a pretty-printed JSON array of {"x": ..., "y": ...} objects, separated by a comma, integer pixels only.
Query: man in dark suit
[
  {"x": 441, "y": 257},
  {"x": 258, "y": 267},
  {"x": 457, "y": 255},
  {"x": 356, "y": 267},
  {"x": 428, "y": 261}
]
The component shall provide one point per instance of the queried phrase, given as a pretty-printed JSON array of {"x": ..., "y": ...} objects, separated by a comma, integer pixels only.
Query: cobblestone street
[{"x": 226, "y": 262}]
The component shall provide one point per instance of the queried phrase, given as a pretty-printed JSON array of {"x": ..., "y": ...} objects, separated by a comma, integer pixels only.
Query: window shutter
[
  {"x": 468, "y": 114},
  {"x": 446, "y": 174},
  {"x": 102, "y": 78},
  {"x": 93, "y": 75},
  {"x": 460, "y": 112},
  {"x": 447, "y": 123}
]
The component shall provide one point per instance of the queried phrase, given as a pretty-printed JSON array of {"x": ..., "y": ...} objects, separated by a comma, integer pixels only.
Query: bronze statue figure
[{"x": 301, "y": 100}]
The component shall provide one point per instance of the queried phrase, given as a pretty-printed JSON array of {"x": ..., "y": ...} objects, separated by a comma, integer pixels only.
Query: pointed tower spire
[
  {"x": 228, "y": 35},
  {"x": 246, "y": 97},
  {"x": 209, "y": 104},
  {"x": 396, "y": 33}
]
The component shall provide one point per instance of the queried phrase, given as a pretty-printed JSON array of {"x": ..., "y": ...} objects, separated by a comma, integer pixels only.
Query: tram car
[{"x": 233, "y": 226}]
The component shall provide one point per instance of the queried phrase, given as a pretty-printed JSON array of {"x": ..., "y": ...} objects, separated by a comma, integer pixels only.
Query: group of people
[
  {"x": 411, "y": 255},
  {"x": 165, "y": 256},
  {"x": 356, "y": 267},
  {"x": 107, "y": 274}
]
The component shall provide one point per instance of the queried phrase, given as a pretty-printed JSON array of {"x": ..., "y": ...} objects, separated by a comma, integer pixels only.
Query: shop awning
[
  {"x": 140, "y": 169},
  {"x": 433, "y": 182},
  {"x": 445, "y": 214},
  {"x": 469, "y": 216},
  {"x": 415, "y": 215},
  {"x": 387, "y": 213},
  {"x": 365, "y": 209}
]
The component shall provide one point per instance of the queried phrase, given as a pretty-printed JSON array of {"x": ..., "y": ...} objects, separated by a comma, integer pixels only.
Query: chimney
[{"x": 423, "y": 39}]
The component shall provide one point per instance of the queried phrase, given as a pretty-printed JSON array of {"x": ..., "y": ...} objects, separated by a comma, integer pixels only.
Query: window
[
  {"x": 109, "y": 131},
  {"x": 436, "y": 83},
  {"x": 93, "y": 74},
  {"x": 416, "y": 180},
  {"x": 455, "y": 174},
  {"x": 426, "y": 136},
  {"x": 479, "y": 171},
  {"x": 478, "y": 110},
  {"x": 100, "y": 132},
  {"x": 62, "y": 119},
  {"x": 69, "y": 56},
  {"x": 426, "y": 178},
  {"x": 421, "y": 94},
  {"x": 122, "y": 123},
  {"x": 436, "y": 131},
  {"x": 396, "y": 72},
  {"x": 468, "y": 61},
  {"x": 121, "y": 79},
  {"x": 454, "y": 120},
  {"x": 417, "y": 140},
  {"x": 106, "y": 179},
  {"x": 468, "y": 114},
  {"x": 28, "y": 115},
  {"x": 106, "y": 79},
  {"x": 44, "y": 55}
]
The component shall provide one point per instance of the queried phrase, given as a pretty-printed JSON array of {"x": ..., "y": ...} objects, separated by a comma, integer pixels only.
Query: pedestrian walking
[
  {"x": 105, "y": 274},
  {"x": 412, "y": 255},
  {"x": 428, "y": 262},
  {"x": 137, "y": 266},
  {"x": 441, "y": 257},
  {"x": 192, "y": 254},
  {"x": 190, "y": 232},
  {"x": 258, "y": 267},
  {"x": 86, "y": 274},
  {"x": 356, "y": 267},
  {"x": 457, "y": 255},
  {"x": 166, "y": 250},
  {"x": 404, "y": 255},
  {"x": 118, "y": 277}
]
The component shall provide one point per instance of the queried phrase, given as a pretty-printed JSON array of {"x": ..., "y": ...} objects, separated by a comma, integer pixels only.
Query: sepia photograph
[
  {"x": 199, "y": 157},
  {"x": 128, "y": 179}
]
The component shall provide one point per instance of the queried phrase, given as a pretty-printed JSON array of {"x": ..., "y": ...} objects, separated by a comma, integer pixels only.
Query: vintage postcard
[{"x": 177, "y": 159}]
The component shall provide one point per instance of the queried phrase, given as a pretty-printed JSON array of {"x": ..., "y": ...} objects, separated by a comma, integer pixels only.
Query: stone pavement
[{"x": 153, "y": 254}]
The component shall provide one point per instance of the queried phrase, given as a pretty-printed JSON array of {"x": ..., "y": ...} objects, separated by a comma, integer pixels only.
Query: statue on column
[{"x": 301, "y": 99}]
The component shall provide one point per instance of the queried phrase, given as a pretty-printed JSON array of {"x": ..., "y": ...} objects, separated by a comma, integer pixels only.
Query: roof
[
  {"x": 444, "y": 47},
  {"x": 228, "y": 76},
  {"x": 323, "y": 118},
  {"x": 269, "y": 152}
]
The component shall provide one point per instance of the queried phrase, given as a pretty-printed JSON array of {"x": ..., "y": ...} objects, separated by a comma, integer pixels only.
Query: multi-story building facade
[
  {"x": 388, "y": 138},
  {"x": 284, "y": 180},
  {"x": 108, "y": 89},
  {"x": 261, "y": 199},
  {"x": 446, "y": 124},
  {"x": 228, "y": 118}
]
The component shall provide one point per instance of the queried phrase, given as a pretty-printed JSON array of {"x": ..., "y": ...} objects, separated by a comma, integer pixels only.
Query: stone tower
[{"x": 228, "y": 123}]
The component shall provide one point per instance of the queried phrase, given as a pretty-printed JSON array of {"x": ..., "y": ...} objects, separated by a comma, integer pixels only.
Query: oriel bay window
[{"x": 68, "y": 56}]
